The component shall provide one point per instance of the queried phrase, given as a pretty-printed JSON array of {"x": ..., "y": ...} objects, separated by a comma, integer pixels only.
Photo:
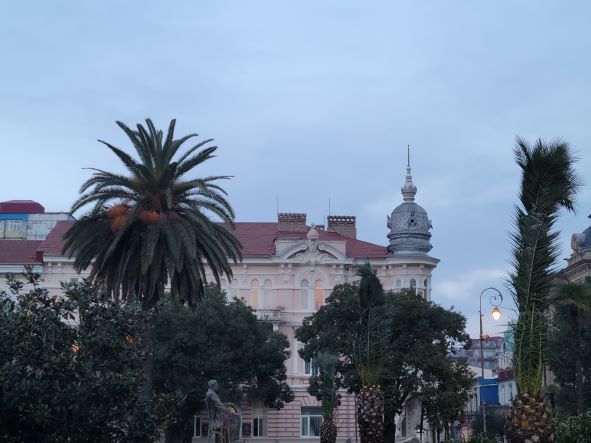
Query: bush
[{"x": 575, "y": 429}]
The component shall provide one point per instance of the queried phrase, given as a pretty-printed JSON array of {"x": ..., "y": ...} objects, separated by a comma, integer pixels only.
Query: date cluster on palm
[
  {"x": 370, "y": 414},
  {"x": 531, "y": 420},
  {"x": 328, "y": 431}
]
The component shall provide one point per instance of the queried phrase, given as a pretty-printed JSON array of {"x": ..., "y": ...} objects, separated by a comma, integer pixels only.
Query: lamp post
[{"x": 495, "y": 301}]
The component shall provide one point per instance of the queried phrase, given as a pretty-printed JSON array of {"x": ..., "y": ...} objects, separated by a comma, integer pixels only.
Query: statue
[{"x": 223, "y": 418}]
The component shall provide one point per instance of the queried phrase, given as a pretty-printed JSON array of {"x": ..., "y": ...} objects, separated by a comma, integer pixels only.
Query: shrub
[{"x": 575, "y": 429}]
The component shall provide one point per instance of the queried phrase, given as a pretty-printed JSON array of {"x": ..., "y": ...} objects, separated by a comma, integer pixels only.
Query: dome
[
  {"x": 583, "y": 240},
  {"x": 409, "y": 224}
]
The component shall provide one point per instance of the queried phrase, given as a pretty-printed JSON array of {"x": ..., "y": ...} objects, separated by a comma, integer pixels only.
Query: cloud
[{"x": 469, "y": 284}]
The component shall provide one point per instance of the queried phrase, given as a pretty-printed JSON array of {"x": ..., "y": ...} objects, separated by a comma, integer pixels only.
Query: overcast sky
[{"x": 311, "y": 100}]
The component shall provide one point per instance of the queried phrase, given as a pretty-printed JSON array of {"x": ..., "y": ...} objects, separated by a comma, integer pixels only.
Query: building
[
  {"x": 578, "y": 267},
  {"x": 493, "y": 348},
  {"x": 24, "y": 226},
  {"x": 288, "y": 270}
]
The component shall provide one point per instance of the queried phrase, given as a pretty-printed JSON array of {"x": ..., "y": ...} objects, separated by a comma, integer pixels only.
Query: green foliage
[
  {"x": 483, "y": 438},
  {"x": 421, "y": 334},
  {"x": 575, "y": 429},
  {"x": 445, "y": 391},
  {"x": 217, "y": 340},
  {"x": 326, "y": 364},
  {"x": 570, "y": 353},
  {"x": 152, "y": 226},
  {"x": 61, "y": 380},
  {"x": 548, "y": 184}
]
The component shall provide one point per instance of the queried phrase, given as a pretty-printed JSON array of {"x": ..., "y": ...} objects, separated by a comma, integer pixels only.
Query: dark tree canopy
[
  {"x": 218, "y": 340},
  {"x": 60, "y": 382},
  {"x": 421, "y": 334}
]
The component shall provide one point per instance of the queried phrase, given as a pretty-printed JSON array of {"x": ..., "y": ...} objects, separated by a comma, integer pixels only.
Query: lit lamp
[{"x": 495, "y": 300}]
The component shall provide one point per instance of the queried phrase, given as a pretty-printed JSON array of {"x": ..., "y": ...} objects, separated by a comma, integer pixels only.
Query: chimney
[
  {"x": 291, "y": 222},
  {"x": 342, "y": 224}
]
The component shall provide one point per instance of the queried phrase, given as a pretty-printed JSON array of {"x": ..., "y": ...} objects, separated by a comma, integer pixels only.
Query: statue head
[{"x": 213, "y": 385}]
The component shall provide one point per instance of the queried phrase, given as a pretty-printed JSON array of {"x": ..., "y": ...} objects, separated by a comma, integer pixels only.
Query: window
[
  {"x": 259, "y": 420},
  {"x": 267, "y": 295},
  {"x": 398, "y": 283},
  {"x": 310, "y": 368},
  {"x": 254, "y": 294},
  {"x": 196, "y": 426},
  {"x": 413, "y": 283},
  {"x": 319, "y": 293},
  {"x": 304, "y": 303},
  {"x": 311, "y": 421}
]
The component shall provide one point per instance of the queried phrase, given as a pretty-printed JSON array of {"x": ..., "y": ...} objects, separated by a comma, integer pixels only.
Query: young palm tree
[
  {"x": 368, "y": 352},
  {"x": 326, "y": 364},
  {"x": 548, "y": 184},
  {"x": 152, "y": 227}
]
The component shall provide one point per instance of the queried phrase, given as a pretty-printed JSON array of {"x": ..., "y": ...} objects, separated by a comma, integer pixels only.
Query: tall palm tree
[
  {"x": 548, "y": 184},
  {"x": 368, "y": 354},
  {"x": 151, "y": 227}
]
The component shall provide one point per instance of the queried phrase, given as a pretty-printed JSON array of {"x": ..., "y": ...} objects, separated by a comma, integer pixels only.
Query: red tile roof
[
  {"x": 21, "y": 207},
  {"x": 19, "y": 252},
  {"x": 54, "y": 242},
  {"x": 257, "y": 239}
]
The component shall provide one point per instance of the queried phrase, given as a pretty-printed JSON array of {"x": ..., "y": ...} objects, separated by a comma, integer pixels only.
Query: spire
[{"x": 409, "y": 189}]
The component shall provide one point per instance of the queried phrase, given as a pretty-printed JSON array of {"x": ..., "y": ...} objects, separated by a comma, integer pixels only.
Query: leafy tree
[
  {"x": 548, "y": 184},
  {"x": 218, "y": 340},
  {"x": 64, "y": 382},
  {"x": 444, "y": 393},
  {"x": 421, "y": 333},
  {"x": 152, "y": 227},
  {"x": 570, "y": 353}
]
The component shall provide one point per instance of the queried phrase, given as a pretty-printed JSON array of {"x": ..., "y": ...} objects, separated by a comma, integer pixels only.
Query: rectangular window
[
  {"x": 309, "y": 368},
  {"x": 259, "y": 420},
  {"x": 196, "y": 426},
  {"x": 311, "y": 421}
]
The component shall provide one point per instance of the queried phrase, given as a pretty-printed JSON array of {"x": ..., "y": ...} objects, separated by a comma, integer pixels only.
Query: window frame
[{"x": 307, "y": 418}]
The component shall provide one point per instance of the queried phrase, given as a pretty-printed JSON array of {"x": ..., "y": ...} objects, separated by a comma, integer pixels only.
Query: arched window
[
  {"x": 254, "y": 294},
  {"x": 318, "y": 293},
  {"x": 413, "y": 283},
  {"x": 304, "y": 302},
  {"x": 398, "y": 284},
  {"x": 267, "y": 299}
]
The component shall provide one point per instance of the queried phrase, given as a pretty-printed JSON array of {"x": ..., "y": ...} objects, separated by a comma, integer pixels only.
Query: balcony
[{"x": 272, "y": 315}]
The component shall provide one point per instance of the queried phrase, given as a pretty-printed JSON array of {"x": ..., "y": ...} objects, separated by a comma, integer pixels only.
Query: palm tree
[
  {"x": 368, "y": 355},
  {"x": 326, "y": 364},
  {"x": 548, "y": 184},
  {"x": 152, "y": 227},
  {"x": 574, "y": 301}
]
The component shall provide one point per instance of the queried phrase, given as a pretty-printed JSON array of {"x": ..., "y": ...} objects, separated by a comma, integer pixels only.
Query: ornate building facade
[{"x": 287, "y": 272}]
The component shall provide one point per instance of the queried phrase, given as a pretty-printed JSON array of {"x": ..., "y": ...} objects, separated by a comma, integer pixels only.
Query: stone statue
[{"x": 223, "y": 418}]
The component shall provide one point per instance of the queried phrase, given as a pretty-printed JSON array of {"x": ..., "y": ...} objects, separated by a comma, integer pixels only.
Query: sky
[{"x": 310, "y": 101}]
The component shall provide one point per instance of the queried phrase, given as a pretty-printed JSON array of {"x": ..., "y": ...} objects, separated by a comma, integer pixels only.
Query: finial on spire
[{"x": 409, "y": 189}]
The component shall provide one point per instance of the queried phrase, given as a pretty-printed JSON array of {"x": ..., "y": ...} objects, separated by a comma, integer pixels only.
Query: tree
[
  {"x": 218, "y": 340},
  {"x": 421, "y": 334},
  {"x": 64, "y": 381},
  {"x": 548, "y": 184},
  {"x": 326, "y": 363},
  {"x": 152, "y": 227},
  {"x": 570, "y": 355},
  {"x": 444, "y": 393},
  {"x": 368, "y": 356}
]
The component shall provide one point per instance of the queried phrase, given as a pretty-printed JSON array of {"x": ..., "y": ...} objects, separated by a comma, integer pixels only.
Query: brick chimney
[
  {"x": 291, "y": 222},
  {"x": 342, "y": 224}
]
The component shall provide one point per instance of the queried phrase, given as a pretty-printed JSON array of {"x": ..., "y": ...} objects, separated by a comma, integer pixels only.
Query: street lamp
[{"x": 495, "y": 301}]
